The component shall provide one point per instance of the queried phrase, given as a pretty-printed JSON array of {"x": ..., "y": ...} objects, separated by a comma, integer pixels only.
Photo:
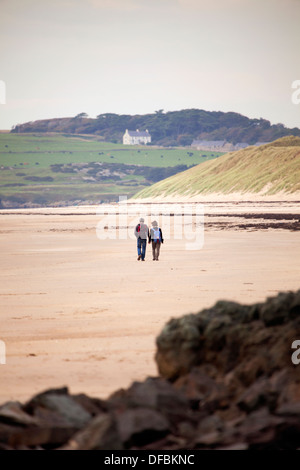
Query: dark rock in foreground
[{"x": 227, "y": 382}]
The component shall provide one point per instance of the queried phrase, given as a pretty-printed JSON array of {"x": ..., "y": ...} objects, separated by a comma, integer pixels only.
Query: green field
[{"x": 47, "y": 169}]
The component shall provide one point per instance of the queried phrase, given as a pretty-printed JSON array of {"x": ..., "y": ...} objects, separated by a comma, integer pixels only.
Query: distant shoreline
[{"x": 213, "y": 198}]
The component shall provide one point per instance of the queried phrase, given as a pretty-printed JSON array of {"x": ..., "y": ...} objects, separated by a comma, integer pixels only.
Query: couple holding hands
[{"x": 154, "y": 236}]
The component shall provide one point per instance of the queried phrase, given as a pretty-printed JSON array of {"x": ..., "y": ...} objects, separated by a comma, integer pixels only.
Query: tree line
[{"x": 174, "y": 128}]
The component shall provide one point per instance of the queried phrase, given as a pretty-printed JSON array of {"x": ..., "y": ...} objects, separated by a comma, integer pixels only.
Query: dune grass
[{"x": 269, "y": 169}]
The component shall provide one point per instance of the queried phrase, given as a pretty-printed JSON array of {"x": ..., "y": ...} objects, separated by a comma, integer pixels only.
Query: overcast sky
[{"x": 63, "y": 57}]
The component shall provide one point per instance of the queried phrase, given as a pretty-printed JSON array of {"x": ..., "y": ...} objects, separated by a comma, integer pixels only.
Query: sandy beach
[{"x": 83, "y": 312}]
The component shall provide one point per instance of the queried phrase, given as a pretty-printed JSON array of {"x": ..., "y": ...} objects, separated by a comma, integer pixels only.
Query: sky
[{"x": 59, "y": 58}]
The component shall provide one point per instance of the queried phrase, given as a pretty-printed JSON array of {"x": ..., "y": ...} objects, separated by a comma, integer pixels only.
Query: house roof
[{"x": 138, "y": 133}]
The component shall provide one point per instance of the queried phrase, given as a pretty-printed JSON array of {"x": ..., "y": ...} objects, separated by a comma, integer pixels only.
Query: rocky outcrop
[
  {"x": 227, "y": 382},
  {"x": 235, "y": 362},
  {"x": 241, "y": 340}
]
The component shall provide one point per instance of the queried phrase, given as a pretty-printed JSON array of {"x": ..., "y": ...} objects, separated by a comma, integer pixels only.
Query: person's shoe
[{"x": 139, "y": 257}]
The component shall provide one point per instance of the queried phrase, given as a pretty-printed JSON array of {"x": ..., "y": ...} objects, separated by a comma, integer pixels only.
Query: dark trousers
[
  {"x": 141, "y": 247},
  {"x": 155, "y": 250}
]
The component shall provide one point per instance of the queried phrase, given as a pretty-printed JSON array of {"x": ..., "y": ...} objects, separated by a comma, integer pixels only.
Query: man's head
[
  {"x": 142, "y": 220},
  {"x": 154, "y": 223}
]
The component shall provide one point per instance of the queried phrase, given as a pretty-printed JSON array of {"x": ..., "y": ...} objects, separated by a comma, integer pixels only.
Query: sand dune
[{"x": 269, "y": 172}]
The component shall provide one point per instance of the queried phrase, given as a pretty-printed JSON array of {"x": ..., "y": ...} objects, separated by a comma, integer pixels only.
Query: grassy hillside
[
  {"x": 49, "y": 169},
  {"x": 270, "y": 168}
]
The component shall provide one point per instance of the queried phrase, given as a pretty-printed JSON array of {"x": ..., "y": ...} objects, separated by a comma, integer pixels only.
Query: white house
[{"x": 136, "y": 137}]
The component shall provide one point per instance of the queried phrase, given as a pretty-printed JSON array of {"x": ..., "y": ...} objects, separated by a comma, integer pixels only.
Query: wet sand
[{"x": 83, "y": 312}]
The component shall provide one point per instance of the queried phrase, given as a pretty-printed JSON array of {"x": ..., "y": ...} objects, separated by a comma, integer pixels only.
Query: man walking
[
  {"x": 156, "y": 237},
  {"x": 142, "y": 233}
]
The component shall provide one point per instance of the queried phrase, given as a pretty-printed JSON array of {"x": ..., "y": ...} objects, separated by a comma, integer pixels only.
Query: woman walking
[{"x": 156, "y": 238}]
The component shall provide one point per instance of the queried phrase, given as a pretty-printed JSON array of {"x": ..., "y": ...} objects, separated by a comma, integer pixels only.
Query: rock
[
  {"x": 209, "y": 425},
  {"x": 100, "y": 434},
  {"x": 249, "y": 371},
  {"x": 209, "y": 440},
  {"x": 12, "y": 412},
  {"x": 258, "y": 395},
  {"x": 289, "y": 409},
  {"x": 54, "y": 418},
  {"x": 93, "y": 406},
  {"x": 280, "y": 309},
  {"x": 260, "y": 429},
  {"x": 173, "y": 362},
  {"x": 7, "y": 434},
  {"x": 245, "y": 339},
  {"x": 61, "y": 407},
  {"x": 46, "y": 436},
  {"x": 139, "y": 426},
  {"x": 236, "y": 446},
  {"x": 157, "y": 394},
  {"x": 203, "y": 391}
]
